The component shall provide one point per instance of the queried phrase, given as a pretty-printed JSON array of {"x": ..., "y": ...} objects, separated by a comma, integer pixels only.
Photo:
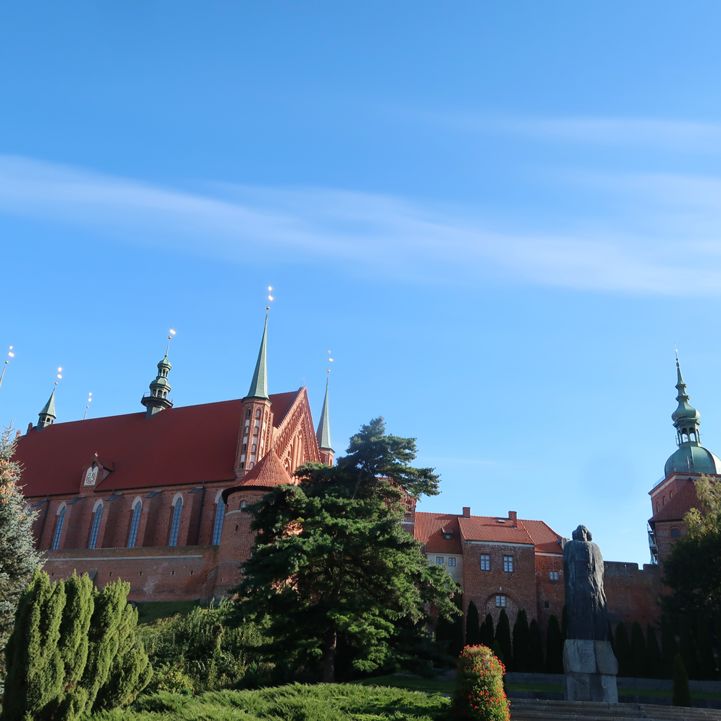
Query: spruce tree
[
  {"x": 622, "y": 649},
  {"x": 521, "y": 640},
  {"x": 331, "y": 554},
  {"x": 554, "y": 646},
  {"x": 654, "y": 660},
  {"x": 535, "y": 648},
  {"x": 638, "y": 650},
  {"x": 473, "y": 630},
  {"x": 18, "y": 558},
  {"x": 503, "y": 639}
]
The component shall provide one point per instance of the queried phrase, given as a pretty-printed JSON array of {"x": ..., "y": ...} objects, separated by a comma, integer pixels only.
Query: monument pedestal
[{"x": 591, "y": 669}]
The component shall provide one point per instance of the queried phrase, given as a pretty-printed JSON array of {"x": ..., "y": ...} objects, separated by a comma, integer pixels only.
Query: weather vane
[
  {"x": 270, "y": 297},
  {"x": 330, "y": 360},
  {"x": 87, "y": 404},
  {"x": 10, "y": 356},
  {"x": 171, "y": 335},
  {"x": 58, "y": 376}
]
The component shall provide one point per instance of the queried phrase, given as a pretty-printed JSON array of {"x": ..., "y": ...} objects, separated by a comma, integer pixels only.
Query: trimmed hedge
[{"x": 479, "y": 694}]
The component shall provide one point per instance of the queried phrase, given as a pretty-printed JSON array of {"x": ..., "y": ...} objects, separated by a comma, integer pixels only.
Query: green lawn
[{"x": 321, "y": 702}]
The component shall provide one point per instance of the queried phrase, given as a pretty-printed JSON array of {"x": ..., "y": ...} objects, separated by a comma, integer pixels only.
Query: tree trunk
[{"x": 330, "y": 641}]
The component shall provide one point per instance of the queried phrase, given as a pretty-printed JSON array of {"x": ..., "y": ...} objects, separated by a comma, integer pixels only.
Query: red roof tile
[
  {"x": 267, "y": 473},
  {"x": 493, "y": 529},
  {"x": 543, "y": 536},
  {"x": 429, "y": 528},
  {"x": 186, "y": 445}
]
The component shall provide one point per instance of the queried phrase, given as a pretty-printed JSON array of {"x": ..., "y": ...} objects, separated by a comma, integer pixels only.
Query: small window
[
  {"x": 440, "y": 561},
  {"x": 95, "y": 525},
  {"x": 675, "y": 532},
  {"x": 134, "y": 523},
  {"x": 451, "y": 561},
  {"x": 485, "y": 562},
  {"x": 554, "y": 576},
  {"x": 257, "y": 413},
  {"x": 247, "y": 414},
  {"x": 175, "y": 521},
  {"x": 508, "y": 564},
  {"x": 501, "y": 600},
  {"x": 218, "y": 522},
  {"x": 57, "y": 533},
  {"x": 546, "y": 604},
  {"x": 447, "y": 535},
  {"x": 254, "y": 449}
]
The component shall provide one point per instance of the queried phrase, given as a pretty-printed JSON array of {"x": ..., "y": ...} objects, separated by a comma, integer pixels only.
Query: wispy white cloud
[{"x": 386, "y": 235}]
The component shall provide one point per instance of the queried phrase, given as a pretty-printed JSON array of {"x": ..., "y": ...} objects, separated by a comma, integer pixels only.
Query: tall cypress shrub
[
  {"x": 535, "y": 648},
  {"x": 554, "y": 646},
  {"x": 521, "y": 639},
  {"x": 503, "y": 639},
  {"x": 622, "y": 648},
  {"x": 488, "y": 633},
  {"x": 35, "y": 678},
  {"x": 669, "y": 645},
  {"x": 654, "y": 661},
  {"x": 473, "y": 629},
  {"x": 681, "y": 693},
  {"x": 638, "y": 650}
]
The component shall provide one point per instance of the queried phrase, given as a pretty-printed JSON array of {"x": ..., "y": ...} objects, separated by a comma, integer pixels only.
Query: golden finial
[
  {"x": 171, "y": 334},
  {"x": 87, "y": 404},
  {"x": 58, "y": 376}
]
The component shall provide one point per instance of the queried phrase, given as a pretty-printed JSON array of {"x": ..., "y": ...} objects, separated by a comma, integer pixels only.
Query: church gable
[{"x": 294, "y": 440}]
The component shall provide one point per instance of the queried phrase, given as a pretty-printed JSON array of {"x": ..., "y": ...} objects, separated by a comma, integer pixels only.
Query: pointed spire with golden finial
[
  {"x": 323, "y": 434},
  {"x": 259, "y": 383},
  {"x": 47, "y": 415},
  {"x": 9, "y": 357},
  {"x": 158, "y": 400}
]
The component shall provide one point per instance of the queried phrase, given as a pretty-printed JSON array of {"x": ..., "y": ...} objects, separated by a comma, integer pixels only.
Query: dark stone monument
[{"x": 588, "y": 660}]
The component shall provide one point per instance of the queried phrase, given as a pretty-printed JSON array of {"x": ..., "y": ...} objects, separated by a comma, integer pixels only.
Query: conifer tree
[
  {"x": 622, "y": 649},
  {"x": 681, "y": 693},
  {"x": 473, "y": 630},
  {"x": 535, "y": 648},
  {"x": 18, "y": 558},
  {"x": 35, "y": 668},
  {"x": 669, "y": 645},
  {"x": 654, "y": 660},
  {"x": 521, "y": 640},
  {"x": 503, "y": 639},
  {"x": 347, "y": 573},
  {"x": 638, "y": 650},
  {"x": 554, "y": 646},
  {"x": 488, "y": 633}
]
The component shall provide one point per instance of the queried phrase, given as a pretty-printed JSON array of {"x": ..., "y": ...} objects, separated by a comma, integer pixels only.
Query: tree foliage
[
  {"x": 473, "y": 629},
  {"x": 332, "y": 567},
  {"x": 73, "y": 650},
  {"x": 503, "y": 646},
  {"x": 521, "y": 641},
  {"x": 18, "y": 557},
  {"x": 535, "y": 648},
  {"x": 554, "y": 646}
]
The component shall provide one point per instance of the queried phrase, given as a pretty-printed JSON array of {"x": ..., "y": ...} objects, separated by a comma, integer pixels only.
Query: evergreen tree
[
  {"x": 35, "y": 678},
  {"x": 521, "y": 641},
  {"x": 332, "y": 555},
  {"x": 622, "y": 649},
  {"x": 654, "y": 660},
  {"x": 554, "y": 646},
  {"x": 488, "y": 633},
  {"x": 535, "y": 648},
  {"x": 688, "y": 647},
  {"x": 681, "y": 693},
  {"x": 638, "y": 650},
  {"x": 669, "y": 645},
  {"x": 703, "y": 633},
  {"x": 503, "y": 639},
  {"x": 18, "y": 558},
  {"x": 473, "y": 630}
]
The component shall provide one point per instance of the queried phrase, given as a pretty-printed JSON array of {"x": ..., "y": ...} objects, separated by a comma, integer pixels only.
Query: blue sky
[{"x": 501, "y": 217}]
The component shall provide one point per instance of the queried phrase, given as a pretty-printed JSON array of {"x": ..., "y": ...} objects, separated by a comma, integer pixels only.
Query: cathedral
[{"x": 159, "y": 498}]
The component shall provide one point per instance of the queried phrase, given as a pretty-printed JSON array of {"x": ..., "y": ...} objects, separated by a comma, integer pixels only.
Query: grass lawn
[{"x": 321, "y": 702}]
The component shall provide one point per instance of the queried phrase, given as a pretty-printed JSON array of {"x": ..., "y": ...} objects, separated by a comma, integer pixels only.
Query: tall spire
[
  {"x": 323, "y": 434},
  {"x": 157, "y": 400},
  {"x": 686, "y": 418},
  {"x": 47, "y": 415},
  {"x": 259, "y": 384}
]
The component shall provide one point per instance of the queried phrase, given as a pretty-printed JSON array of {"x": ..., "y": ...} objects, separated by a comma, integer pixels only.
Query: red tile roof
[
  {"x": 429, "y": 528},
  {"x": 269, "y": 472},
  {"x": 186, "y": 445},
  {"x": 429, "y": 531}
]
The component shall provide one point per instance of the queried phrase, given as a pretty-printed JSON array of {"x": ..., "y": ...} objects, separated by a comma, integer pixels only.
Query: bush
[
  {"x": 479, "y": 693},
  {"x": 554, "y": 647},
  {"x": 204, "y": 648}
]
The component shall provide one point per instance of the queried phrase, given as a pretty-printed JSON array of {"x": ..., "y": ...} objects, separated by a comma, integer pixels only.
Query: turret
[
  {"x": 157, "y": 400},
  {"x": 256, "y": 427},
  {"x": 47, "y": 415}
]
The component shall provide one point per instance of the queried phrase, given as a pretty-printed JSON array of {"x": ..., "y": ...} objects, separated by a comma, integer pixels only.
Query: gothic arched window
[
  {"x": 95, "y": 525},
  {"x": 58, "y": 530},
  {"x": 175, "y": 520},
  {"x": 134, "y": 522},
  {"x": 219, "y": 518}
]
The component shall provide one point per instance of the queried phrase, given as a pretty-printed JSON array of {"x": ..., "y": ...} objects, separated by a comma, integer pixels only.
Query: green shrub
[
  {"x": 170, "y": 679},
  {"x": 479, "y": 693},
  {"x": 206, "y": 647}
]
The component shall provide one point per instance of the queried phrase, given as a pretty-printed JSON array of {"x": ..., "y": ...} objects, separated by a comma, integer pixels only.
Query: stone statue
[
  {"x": 588, "y": 659},
  {"x": 585, "y": 597}
]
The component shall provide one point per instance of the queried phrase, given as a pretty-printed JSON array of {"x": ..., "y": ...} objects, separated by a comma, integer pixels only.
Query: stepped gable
[
  {"x": 269, "y": 472},
  {"x": 432, "y": 529},
  {"x": 191, "y": 444}
]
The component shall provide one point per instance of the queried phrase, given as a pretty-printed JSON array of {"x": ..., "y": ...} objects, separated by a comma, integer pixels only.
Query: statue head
[{"x": 582, "y": 534}]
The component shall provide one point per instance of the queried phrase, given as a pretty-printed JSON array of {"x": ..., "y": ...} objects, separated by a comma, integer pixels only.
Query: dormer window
[{"x": 447, "y": 535}]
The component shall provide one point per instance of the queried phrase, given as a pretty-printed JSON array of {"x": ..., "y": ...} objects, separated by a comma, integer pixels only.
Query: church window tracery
[
  {"x": 175, "y": 521},
  {"x": 95, "y": 525},
  {"x": 58, "y": 531},
  {"x": 137, "y": 510},
  {"x": 219, "y": 518}
]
